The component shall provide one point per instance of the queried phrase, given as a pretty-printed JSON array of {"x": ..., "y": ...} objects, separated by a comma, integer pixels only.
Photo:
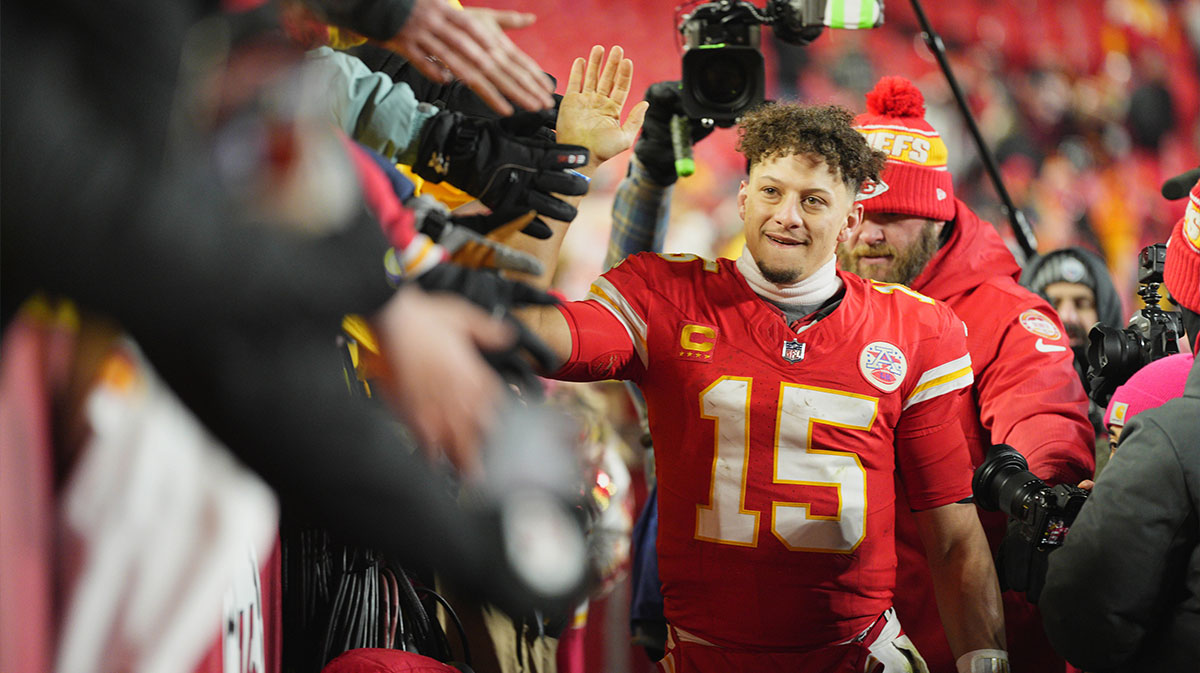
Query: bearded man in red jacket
[{"x": 1026, "y": 393}]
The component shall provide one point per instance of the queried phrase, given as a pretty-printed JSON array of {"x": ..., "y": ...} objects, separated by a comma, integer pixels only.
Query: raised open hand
[{"x": 590, "y": 112}]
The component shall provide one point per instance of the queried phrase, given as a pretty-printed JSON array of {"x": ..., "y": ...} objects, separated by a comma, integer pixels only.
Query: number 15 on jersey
[{"x": 726, "y": 520}]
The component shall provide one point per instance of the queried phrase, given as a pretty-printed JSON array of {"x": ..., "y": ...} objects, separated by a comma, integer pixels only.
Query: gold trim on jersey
[
  {"x": 610, "y": 298},
  {"x": 942, "y": 379}
]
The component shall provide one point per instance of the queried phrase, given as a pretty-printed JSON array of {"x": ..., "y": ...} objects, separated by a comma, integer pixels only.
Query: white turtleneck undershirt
[{"x": 796, "y": 299}]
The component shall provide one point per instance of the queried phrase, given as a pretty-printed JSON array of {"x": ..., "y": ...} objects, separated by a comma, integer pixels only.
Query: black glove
[
  {"x": 653, "y": 147},
  {"x": 453, "y": 95},
  {"x": 513, "y": 363},
  {"x": 492, "y": 292},
  {"x": 433, "y": 218},
  {"x": 499, "y": 163},
  {"x": 481, "y": 287},
  {"x": 458, "y": 97}
]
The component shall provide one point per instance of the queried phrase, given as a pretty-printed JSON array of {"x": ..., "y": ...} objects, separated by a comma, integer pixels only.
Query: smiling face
[{"x": 795, "y": 211}]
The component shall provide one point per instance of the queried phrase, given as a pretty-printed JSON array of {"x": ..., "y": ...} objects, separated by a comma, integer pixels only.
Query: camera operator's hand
[
  {"x": 590, "y": 112},
  {"x": 500, "y": 163},
  {"x": 654, "y": 148}
]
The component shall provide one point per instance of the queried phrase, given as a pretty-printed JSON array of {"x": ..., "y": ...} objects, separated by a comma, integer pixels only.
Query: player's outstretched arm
[
  {"x": 589, "y": 115},
  {"x": 964, "y": 578}
]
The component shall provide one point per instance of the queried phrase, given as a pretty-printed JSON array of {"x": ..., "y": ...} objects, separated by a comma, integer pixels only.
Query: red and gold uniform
[{"x": 778, "y": 445}]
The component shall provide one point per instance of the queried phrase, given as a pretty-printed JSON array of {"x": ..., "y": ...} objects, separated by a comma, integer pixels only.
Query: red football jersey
[{"x": 777, "y": 445}]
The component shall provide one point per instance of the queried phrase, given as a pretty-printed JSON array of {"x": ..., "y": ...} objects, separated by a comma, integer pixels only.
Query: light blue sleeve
[{"x": 371, "y": 108}]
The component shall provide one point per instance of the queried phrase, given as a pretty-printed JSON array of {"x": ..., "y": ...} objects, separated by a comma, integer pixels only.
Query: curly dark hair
[{"x": 780, "y": 129}]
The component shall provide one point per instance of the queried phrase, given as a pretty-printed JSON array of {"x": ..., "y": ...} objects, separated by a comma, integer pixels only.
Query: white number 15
[{"x": 726, "y": 520}]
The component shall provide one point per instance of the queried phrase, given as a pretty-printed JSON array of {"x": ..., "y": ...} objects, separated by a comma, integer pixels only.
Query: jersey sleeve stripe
[
  {"x": 943, "y": 369},
  {"x": 942, "y": 379},
  {"x": 963, "y": 379},
  {"x": 610, "y": 298}
]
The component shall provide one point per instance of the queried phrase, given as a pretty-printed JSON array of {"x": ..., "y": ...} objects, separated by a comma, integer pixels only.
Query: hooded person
[
  {"x": 1121, "y": 593},
  {"x": 1077, "y": 284},
  {"x": 1026, "y": 393}
]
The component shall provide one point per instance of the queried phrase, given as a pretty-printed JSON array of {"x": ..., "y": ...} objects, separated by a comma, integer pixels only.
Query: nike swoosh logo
[{"x": 1048, "y": 348}]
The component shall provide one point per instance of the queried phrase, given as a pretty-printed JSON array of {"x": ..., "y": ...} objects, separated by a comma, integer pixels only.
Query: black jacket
[
  {"x": 238, "y": 319},
  {"x": 1123, "y": 593}
]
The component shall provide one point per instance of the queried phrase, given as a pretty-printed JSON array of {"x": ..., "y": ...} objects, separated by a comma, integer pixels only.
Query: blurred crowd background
[{"x": 1088, "y": 106}]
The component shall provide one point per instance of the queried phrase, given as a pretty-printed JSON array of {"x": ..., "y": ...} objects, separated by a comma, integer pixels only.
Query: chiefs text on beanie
[
  {"x": 1182, "y": 269},
  {"x": 916, "y": 181}
]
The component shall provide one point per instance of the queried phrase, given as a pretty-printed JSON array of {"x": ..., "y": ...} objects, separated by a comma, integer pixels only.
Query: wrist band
[{"x": 983, "y": 661}]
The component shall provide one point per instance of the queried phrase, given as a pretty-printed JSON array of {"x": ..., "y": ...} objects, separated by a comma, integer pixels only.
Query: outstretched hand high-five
[{"x": 590, "y": 112}]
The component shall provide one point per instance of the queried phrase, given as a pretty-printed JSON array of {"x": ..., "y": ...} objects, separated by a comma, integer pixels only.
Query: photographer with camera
[{"x": 1122, "y": 593}]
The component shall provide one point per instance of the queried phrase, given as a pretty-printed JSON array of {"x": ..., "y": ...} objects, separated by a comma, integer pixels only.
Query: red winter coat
[{"x": 1026, "y": 394}]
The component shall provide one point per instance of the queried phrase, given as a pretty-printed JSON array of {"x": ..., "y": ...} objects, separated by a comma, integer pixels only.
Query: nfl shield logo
[{"x": 793, "y": 351}]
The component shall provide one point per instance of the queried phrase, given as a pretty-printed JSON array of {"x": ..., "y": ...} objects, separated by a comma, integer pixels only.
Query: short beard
[
  {"x": 779, "y": 276},
  {"x": 906, "y": 264},
  {"x": 1077, "y": 334}
]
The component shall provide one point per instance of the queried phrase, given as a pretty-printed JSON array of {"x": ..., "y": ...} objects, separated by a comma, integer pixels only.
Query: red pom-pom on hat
[
  {"x": 896, "y": 97},
  {"x": 915, "y": 181}
]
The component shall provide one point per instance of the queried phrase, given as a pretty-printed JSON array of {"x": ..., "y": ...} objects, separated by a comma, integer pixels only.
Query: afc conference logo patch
[
  {"x": 883, "y": 365},
  {"x": 1036, "y": 323},
  {"x": 793, "y": 351}
]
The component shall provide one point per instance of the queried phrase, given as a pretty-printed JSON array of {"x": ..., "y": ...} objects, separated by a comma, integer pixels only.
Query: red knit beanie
[
  {"x": 1182, "y": 270},
  {"x": 916, "y": 180}
]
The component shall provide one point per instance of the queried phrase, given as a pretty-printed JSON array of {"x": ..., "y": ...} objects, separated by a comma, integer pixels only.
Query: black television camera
[
  {"x": 1115, "y": 354},
  {"x": 723, "y": 74},
  {"x": 1041, "y": 516}
]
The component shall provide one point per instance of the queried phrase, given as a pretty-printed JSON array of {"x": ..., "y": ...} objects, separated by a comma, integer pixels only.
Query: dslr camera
[
  {"x": 723, "y": 73},
  {"x": 1115, "y": 354},
  {"x": 1041, "y": 516}
]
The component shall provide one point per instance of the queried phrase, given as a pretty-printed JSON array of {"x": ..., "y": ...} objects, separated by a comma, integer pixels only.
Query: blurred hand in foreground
[{"x": 472, "y": 46}]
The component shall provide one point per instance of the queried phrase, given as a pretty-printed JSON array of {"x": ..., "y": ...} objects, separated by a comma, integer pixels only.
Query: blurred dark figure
[
  {"x": 111, "y": 198},
  {"x": 1123, "y": 592}
]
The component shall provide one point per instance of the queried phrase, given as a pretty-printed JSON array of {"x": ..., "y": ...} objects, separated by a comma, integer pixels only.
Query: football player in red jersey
[{"x": 785, "y": 398}]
